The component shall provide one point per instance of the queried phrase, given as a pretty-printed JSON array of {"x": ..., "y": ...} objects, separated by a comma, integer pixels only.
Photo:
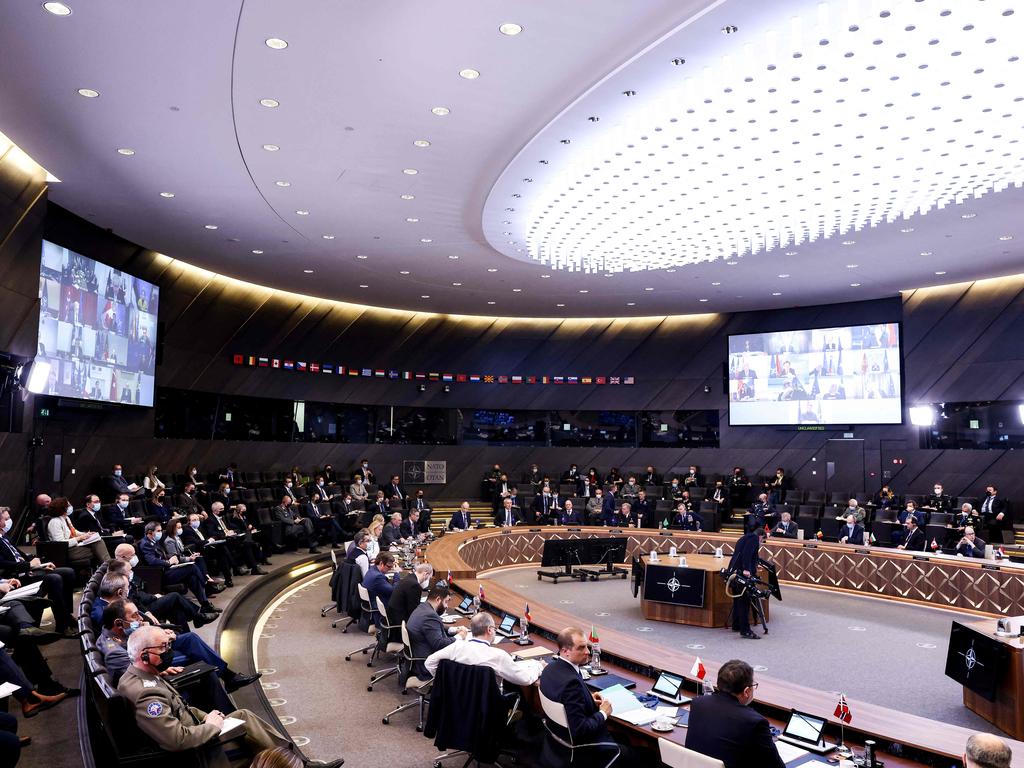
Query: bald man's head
[
  {"x": 124, "y": 552},
  {"x": 986, "y": 751}
]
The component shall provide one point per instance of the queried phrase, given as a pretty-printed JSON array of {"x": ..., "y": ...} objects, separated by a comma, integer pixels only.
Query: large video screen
[
  {"x": 845, "y": 375},
  {"x": 97, "y": 329}
]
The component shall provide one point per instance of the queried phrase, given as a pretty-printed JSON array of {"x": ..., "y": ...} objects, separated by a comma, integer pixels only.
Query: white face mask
[
  {"x": 70, "y": 509},
  {"x": 95, "y": 507},
  {"x": 7, "y": 524},
  {"x": 117, "y": 473},
  {"x": 195, "y": 524},
  {"x": 134, "y": 561},
  {"x": 122, "y": 505},
  {"x": 938, "y": 491}
]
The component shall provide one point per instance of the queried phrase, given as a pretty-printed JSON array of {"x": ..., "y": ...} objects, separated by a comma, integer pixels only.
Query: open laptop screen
[
  {"x": 668, "y": 684},
  {"x": 804, "y": 727},
  {"x": 507, "y": 622}
]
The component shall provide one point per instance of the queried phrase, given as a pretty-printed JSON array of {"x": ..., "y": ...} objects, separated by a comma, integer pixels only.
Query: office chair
[
  {"x": 675, "y": 756},
  {"x": 421, "y": 687},
  {"x": 384, "y": 645},
  {"x": 555, "y": 713},
  {"x": 368, "y": 610},
  {"x": 333, "y": 603}
]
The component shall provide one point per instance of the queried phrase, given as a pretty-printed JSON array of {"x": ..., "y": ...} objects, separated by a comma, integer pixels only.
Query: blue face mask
[
  {"x": 194, "y": 523},
  {"x": 117, "y": 473},
  {"x": 130, "y": 627},
  {"x": 158, "y": 535},
  {"x": 122, "y": 505},
  {"x": 95, "y": 507}
]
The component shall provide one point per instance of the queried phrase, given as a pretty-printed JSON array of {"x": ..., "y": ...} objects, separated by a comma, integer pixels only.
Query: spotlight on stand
[
  {"x": 447, "y": 387},
  {"x": 422, "y": 387},
  {"x": 1020, "y": 412},
  {"x": 34, "y": 376},
  {"x": 922, "y": 415}
]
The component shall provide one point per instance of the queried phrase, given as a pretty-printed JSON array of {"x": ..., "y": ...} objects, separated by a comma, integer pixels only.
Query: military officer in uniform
[{"x": 175, "y": 727}]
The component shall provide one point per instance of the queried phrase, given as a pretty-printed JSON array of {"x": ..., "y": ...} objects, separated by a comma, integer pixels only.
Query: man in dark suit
[
  {"x": 425, "y": 510},
  {"x": 723, "y": 725},
  {"x": 995, "y": 513},
  {"x": 586, "y": 713},
  {"x": 852, "y": 532},
  {"x": 914, "y": 539},
  {"x": 650, "y": 477},
  {"x": 786, "y": 528},
  {"x": 185, "y": 574},
  {"x": 759, "y": 513},
  {"x": 116, "y": 484},
  {"x": 213, "y": 551},
  {"x": 392, "y": 532},
  {"x": 569, "y": 516},
  {"x": 645, "y": 510},
  {"x": 410, "y": 528},
  {"x": 571, "y": 475},
  {"x": 296, "y": 528},
  {"x": 693, "y": 478},
  {"x": 461, "y": 519},
  {"x": 970, "y": 545},
  {"x": 508, "y": 515},
  {"x": 686, "y": 519},
  {"x": 88, "y": 517},
  {"x": 545, "y": 505},
  {"x": 377, "y": 582},
  {"x": 240, "y": 545},
  {"x": 408, "y": 593},
  {"x": 744, "y": 561},
  {"x": 115, "y": 517},
  {"x": 427, "y": 633},
  {"x": 394, "y": 488},
  {"x": 187, "y": 501}
]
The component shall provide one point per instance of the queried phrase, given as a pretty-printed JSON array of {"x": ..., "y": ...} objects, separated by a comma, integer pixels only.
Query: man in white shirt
[{"x": 480, "y": 650}]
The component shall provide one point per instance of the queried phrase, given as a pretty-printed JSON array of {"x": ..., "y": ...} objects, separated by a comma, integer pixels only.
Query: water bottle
[
  {"x": 595, "y": 657},
  {"x": 869, "y": 754},
  {"x": 524, "y": 630},
  {"x": 706, "y": 689},
  {"x": 476, "y": 604}
]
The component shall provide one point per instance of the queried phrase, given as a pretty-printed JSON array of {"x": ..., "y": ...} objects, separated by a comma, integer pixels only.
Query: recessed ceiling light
[
  {"x": 308, "y": 271},
  {"x": 126, "y": 151},
  {"x": 403, "y": 271},
  {"x": 364, "y": 286},
  {"x": 57, "y": 9},
  {"x": 716, "y": 283},
  {"x": 701, "y": 300},
  {"x": 855, "y": 285},
  {"x": 453, "y": 257},
  {"x": 209, "y": 226},
  {"x": 968, "y": 215},
  {"x": 907, "y": 229},
  {"x": 517, "y": 290},
  {"x": 257, "y": 251},
  {"x": 426, "y": 240},
  {"x": 852, "y": 266},
  {"x": 276, "y": 43},
  {"x": 510, "y": 29},
  {"x": 270, "y": 103},
  {"x": 559, "y": 305},
  {"x": 1006, "y": 237},
  {"x": 271, "y": 147},
  {"x": 440, "y": 111},
  {"x": 776, "y": 293},
  {"x": 89, "y": 93},
  {"x": 732, "y": 263},
  {"x": 469, "y": 74},
  {"x": 491, "y": 302},
  {"x": 544, "y": 277},
  {"x": 926, "y": 253},
  {"x": 421, "y": 143},
  {"x": 849, "y": 242},
  {"x": 283, "y": 183},
  {"x": 166, "y": 194},
  {"x": 408, "y": 197},
  {"x": 670, "y": 271},
  {"x": 940, "y": 273},
  {"x": 362, "y": 256},
  {"x": 791, "y": 253},
  {"x": 409, "y": 171},
  {"x": 425, "y": 296},
  {"x": 783, "y": 276},
  {"x": 648, "y": 289},
  {"x": 492, "y": 269},
  {"x": 584, "y": 290},
  {"x": 457, "y": 285},
  {"x": 302, "y": 213},
  {"x": 327, "y": 237},
  {"x": 630, "y": 303},
  {"x": 411, "y": 219}
]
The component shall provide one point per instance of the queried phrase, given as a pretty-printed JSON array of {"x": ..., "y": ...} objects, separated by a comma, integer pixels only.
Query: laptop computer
[
  {"x": 805, "y": 731},
  {"x": 507, "y": 626},
  {"x": 607, "y": 681},
  {"x": 465, "y": 607},
  {"x": 668, "y": 688}
]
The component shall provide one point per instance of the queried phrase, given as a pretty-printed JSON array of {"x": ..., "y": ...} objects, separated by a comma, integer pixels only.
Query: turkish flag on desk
[{"x": 842, "y": 710}]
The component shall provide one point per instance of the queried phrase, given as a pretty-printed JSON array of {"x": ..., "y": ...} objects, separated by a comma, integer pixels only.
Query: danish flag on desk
[
  {"x": 698, "y": 670},
  {"x": 842, "y": 710}
]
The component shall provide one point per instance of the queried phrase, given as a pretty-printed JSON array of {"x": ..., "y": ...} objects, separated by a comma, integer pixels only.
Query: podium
[{"x": 972, "y": 644}]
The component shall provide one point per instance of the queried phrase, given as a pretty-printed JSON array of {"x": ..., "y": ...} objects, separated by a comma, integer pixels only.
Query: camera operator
[{"x": 744, "y": 562}]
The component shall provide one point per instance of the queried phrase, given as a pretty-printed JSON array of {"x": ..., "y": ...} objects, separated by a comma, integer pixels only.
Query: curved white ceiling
[{"x": 181, "y": 84}]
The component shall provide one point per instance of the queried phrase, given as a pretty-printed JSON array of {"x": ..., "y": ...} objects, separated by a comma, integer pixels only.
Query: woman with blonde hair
[
  {"x": 151, "y": 482},
  {"x": 376, "y": 528},
  {"x": 276, "y": 757}
]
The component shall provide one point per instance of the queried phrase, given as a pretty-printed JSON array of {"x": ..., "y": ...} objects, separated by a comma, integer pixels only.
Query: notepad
[
  {"x": 6, "y": 689},
  {"x": 27, "y": 591},
  {"x": 534, "y": 653},
  {"x": 232, "y": 728},
  {"x": 788, "y": 752}
]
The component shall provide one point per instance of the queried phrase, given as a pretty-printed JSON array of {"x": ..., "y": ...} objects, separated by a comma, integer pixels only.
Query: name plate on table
[
  {"x": 810, "y": 545},
  {"x": 535, "y": 530},
  {"x": 862, "y": 551},
  {"x": 675, "y": 585},
  {"x": 922, "y": 557},
  {"x": 990, "y": 567},
  {"x": 664, "y": 533},
  {"x": 575, "y": 530}
]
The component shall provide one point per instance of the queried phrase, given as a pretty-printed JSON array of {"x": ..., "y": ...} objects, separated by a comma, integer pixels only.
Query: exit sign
[{"x": 44, "y": 412}]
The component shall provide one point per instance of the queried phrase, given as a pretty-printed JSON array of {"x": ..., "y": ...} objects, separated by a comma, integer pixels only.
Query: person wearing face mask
[
  {"x": 239, "y": 544},
  {"x": 427, "y": 633},
  {"x": 674, "y": 491},
  {"x": 358, "y": 491},
  {"x": 116, "y": 484},
  {"x": 420, "y": 504},
  {"x": 938, "y": 501},
  {"x": 174, "y": 546},
  {"x": 188, "y": 502},
  {"x": 854, "y": 508},
  {"x": 365, "y": 472},
  {"x": 995, "y": 514},
  {"x": 116, "y": 516},
  {"x": 408, "y": 593},
  {"x": 157, "y": 507},
  {"x": 152, "y": 483},
  {"x": 88, "y": 518},
  {"x": 172, "y": 608},
  {"x": 175, "y": 572},
  {"x": 693, "y": 478},
  {"x": 83, "y": 547},
  {"x": 296, "y": 529},
  {"x": 166, "y": 718},
  {"x": 289, "y": 489}
]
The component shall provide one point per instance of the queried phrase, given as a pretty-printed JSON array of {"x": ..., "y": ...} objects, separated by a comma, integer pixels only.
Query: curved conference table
[{"x": 978, "y": 587}]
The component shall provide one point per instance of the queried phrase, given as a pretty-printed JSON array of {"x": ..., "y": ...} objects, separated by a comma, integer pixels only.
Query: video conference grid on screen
[
  {"x": 845, "y": 375},
  {"x": 97, "y": 329}
]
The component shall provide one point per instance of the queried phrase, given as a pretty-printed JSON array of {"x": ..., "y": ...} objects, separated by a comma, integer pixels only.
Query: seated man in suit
[
  {"x": 240, "y": 544},
  {"x": 461, "y": 519},
  {"x": 116, "y": 484},
  {"x": 914, "y": 538},
  {"x": 392, "y": 533},
  {"x": 88, "y": 517},
  {"x": 410, "y": 527},
  {"x": 423, "y": 506},
  {"x": 586, "y": 713},
  {"x": 115, "y": 516},
  {"x": 910, "y": 510},
  {"x": 484, "y": 653},
  {"x": 631, "y": 490},
  {"x": 650, "y": 477},
  {"x": 174, "y": 572},
  {"x": 427, "y": 633},
  {"x": 571, "y": 475},
  {"x": 645, "y": 511},
  {"x": 970, "y": 545},
  {"x": 568, "y": 515},
  {"x": 686, "y": 519},
  {"x": 380, "y": 504},
  {"x": 394, "y": 488},
  {"x": 852, "y": 532},
  {"x": 297, "y": 529},
  {"x": 508, "y": 515},
  {"x": 723, "y": 725},
  {"x": 377, "y": 582},
  {"x": 759, "y": 513},
  {"x": 852, "y": 508},
  {"x": 545, "y": 505},
  {"x": 188, "y": 502},
  {"x": 408, "y": 593},
  {"x": 674, "y": 491},
  {"x": 720, "y": 497},
  {"x": 173, "y": 608},
  {"x": 786, "y": 528},
  {"x": 595, "y": 507}
]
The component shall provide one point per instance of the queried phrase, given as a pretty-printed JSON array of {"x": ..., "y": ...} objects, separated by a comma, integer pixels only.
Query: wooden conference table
[{"x": 873, "y": 571}]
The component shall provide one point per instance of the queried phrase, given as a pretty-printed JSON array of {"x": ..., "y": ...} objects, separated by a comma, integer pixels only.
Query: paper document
[
  {"x": 93, "y": 538},
  {"x": 27, "y": 591},
  {"x": 642, "y": 716},
  {"x": 133, "y": 487},
  {"x": 6, "y": 689},
  {"x": 788, "y": 752},
  {"x": 534, "y": 653},
  {"x": 670, "y": 712},
  {"x": 232, "y": 727}
]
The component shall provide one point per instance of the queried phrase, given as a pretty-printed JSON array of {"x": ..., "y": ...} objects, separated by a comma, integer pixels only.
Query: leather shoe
[
  {"x": 70, "y": 633},
  {"x": 266, "y": 562},
  {"x": 258, "y": 572},
  {"x": 24, "y": 741},
  {"x": 202, "y": 619},
  {"x": 749, "y": 636},
  {"x": 229, "y": 584},
  {"x": 214, "y": 588},
  {"x": 39, "y": 636},
  {"x": 240, "y": 681},
  {"x": 314, "y": 551},
  {"x": 37, "y": 702}
]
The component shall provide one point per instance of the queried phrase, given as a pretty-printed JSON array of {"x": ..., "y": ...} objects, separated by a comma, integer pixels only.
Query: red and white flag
[
  {"x": 698, "y": 670},
  {"x": 935, "y": 545},
  {"x": 449, "y": 576},
  {"x": 843, "y": 710}
]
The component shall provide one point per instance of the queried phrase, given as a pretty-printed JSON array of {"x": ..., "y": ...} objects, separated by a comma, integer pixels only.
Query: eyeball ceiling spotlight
[{"x": 814, "y": 121}]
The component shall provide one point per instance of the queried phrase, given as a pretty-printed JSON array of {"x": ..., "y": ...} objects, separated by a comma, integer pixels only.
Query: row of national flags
[{"x": 305, "y": 366}]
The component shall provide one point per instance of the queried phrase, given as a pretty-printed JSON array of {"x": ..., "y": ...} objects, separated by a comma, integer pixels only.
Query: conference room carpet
[{"x": 883, "y": 652}]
